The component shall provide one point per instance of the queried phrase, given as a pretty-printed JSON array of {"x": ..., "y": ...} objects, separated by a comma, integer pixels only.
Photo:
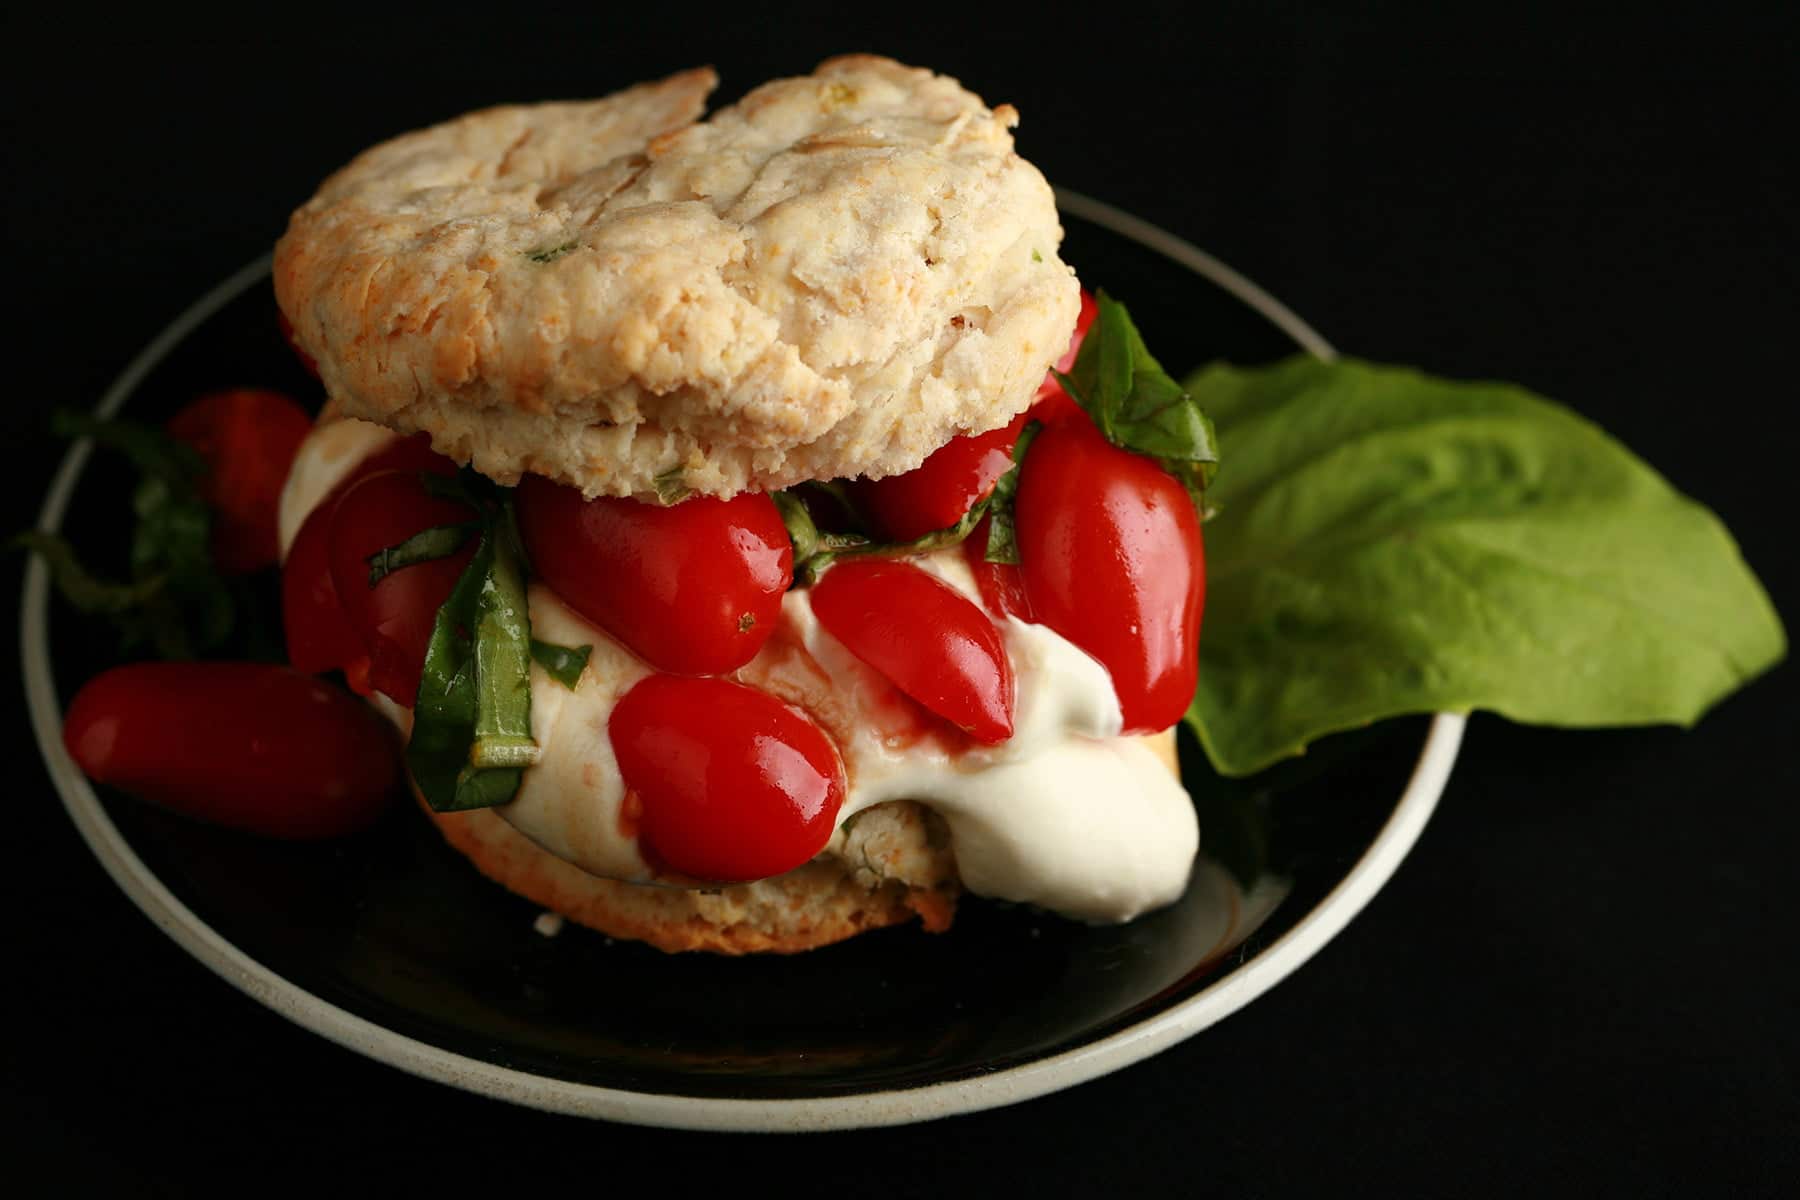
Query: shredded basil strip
[
  {"x": 440, "y": 541},
  {"x": 1135, "y": 403},
  {"x": 562, "y": 663},
  {"x": 471, "y": 732},
  {"x": 1003, "y": 537},
  {"x": 177, "y": 601},
  {"x": 815, "y": 549},
  {"x": 444, "y": 710},
  {"x": 503, "y": 665}
]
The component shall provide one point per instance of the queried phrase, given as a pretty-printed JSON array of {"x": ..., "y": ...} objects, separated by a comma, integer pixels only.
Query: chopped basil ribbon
[
  {"x": 449, "y": 706},
  {"x": 471, "y": 736},
  {"x": 562, "y": 663},
  {"x": 814, "y": 548},
  {"x": 177, "y": 601},
  {"x": 1003, "y": 535},
  {"x": 503, "y": 665},
  {"x": 440, "y": 541},
  {"x": 1136, "y": 404}
]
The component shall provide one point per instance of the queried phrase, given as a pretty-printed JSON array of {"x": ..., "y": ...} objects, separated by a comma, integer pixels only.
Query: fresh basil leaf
[
  {"x": 1003, "y": 535},
  {"x": 177, "y": 601},
  {"x": 802, "y": 531},
  {"x": 1393, "y": 543},
  {"x": 1134, "y": 402},
  {"x": 455, "y": 707},
  {"x": 562, "y": 663},
  {"x": 815, "y": 549},
  {"x": 440, "y": 541},
  {"x": 503, "y": 665},
  {"x": 443, "y": 726}
]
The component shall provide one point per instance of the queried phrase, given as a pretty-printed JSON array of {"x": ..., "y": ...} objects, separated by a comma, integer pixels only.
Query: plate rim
[{"x": 859, "y": 1110}]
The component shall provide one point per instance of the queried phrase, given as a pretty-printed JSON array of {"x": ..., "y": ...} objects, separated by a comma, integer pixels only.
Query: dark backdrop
[{"x": 1583, "y": 978}]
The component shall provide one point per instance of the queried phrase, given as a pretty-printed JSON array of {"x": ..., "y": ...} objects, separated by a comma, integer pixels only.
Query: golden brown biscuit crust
[
  {"x": 823, "y": 902},
  {"x": 830, "y": 278}
]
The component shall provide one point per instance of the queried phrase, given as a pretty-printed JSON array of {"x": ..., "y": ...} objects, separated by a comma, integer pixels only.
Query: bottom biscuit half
[{"x": 896, "y": 865}]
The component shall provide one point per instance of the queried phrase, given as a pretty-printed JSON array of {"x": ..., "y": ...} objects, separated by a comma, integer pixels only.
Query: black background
[{"x": 1584, "y": 976}]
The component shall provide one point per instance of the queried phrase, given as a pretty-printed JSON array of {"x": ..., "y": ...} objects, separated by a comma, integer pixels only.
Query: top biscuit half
[{"x": 830, "y": 278}]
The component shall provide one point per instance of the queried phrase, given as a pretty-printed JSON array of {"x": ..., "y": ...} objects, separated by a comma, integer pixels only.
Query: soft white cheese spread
[{"x": 1065, "y": 814}]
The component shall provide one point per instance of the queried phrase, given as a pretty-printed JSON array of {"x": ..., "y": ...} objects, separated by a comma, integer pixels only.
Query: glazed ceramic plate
[{"x": 405, "y": 954}]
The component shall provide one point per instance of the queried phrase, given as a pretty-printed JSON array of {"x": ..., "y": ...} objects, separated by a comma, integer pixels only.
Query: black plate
[{"x": 397, "y": 930}]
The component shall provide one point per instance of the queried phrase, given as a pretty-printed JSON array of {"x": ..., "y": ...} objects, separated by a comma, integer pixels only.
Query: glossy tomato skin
[
  {"x": 1001, "y": 586},
  {"x": 733, "y": 784},
  {"x": 394, "y": 618},
  {"x": 692, "y": 588},
  {"x": 252, "y": 746},
  {"x": 1111, "y": 558},
  {"x": 248, "y": 438},
  {"x": 925, "y": 637},
  {"x": 936, "y": 493},
  {"x": 318, "y": 631},
  {"x": 1053, "y": 404}
]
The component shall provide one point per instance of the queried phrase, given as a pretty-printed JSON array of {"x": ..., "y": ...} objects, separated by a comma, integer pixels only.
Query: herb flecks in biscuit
[{"x": 830, "y": 278}]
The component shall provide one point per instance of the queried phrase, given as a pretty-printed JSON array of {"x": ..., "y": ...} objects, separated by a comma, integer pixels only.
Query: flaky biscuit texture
[
  {"x": 825, "y": 901},
  {"x": 830, "y": 278}
]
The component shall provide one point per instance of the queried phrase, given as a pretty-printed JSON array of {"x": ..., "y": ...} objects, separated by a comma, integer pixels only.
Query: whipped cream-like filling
[{"x": 1065, "y": 814}]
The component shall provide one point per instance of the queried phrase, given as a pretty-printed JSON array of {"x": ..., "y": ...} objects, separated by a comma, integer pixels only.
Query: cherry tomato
[
  {"x": 319, "y": 636},
  {"x": 249, "y": 745},
  {"x": 926, "y": 637},
  {"x": 318, "y": 631},
  {"x": 287, "y": 335},
  {"x": 734, "y": 784},
  {"x": 692, "y": 588},
  {"x": 1002, "y": 589},
  {"x": 395, "y": 617},
  {"x": 936, "y": 493},
  {"x": 248, "y": 439},
  {"x": 1052, "y": 403},
  {"x": 1110, "y": 553}
]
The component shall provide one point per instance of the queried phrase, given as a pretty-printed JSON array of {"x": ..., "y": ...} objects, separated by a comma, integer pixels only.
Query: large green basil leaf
[{"x": 1391, "y": 543}]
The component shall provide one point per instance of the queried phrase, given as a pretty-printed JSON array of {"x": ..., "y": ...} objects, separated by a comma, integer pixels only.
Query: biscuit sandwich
[{"x": 691, "y": 492}]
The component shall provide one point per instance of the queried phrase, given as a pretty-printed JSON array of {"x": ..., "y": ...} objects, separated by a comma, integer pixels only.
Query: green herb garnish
[
  {"x": 176, "y": 600},
  {"x": 1136, "y": 404},
  {"x": 1395, "y": 543},
  {"x": 471, "y": 735},
  {"x": 562, "y": 663},
  {"x": 440, "y": 541},
  {"x": 1003, "y": 536},
  {"x": 549, "y": 254},
  {"x": 815, "y": 548}
]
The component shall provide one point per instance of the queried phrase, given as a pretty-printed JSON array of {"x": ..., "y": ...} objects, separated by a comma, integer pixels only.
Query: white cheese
[{"x": 1065, "y": 814}]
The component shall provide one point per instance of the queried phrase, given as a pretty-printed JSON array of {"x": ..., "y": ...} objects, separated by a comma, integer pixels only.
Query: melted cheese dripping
[{"x": 1066, "y": 814}]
